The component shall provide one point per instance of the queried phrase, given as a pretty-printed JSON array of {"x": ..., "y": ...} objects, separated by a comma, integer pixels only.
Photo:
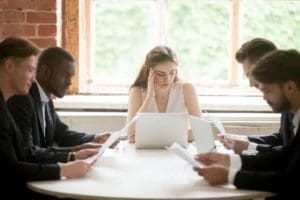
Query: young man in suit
[
  {"x": 44, "y": 132},
  {"x": 247, "y": 55},
  {"x": 275, "y": 171},
  {"x": 17, "y": 70}
]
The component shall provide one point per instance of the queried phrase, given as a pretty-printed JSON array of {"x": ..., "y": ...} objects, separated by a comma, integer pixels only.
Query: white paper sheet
[
  {"x": 182, "y": 153},
  {"x": 217, "y": 122},
  {"x": 112, "y": 138}
]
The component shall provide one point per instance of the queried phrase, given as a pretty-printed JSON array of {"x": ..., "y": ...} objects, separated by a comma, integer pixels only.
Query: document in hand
[
  {"x": 217, "y": 122},
  {"x": 112, "y": 138},
  {"x": 182, "y": 153}
]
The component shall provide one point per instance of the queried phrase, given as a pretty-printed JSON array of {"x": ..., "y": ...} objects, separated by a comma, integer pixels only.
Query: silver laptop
[
  {"x": 157, "y": 130},
  {"x": 203, "y": 134}
]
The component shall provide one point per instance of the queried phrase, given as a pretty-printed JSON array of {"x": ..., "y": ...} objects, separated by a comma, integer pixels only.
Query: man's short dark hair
[
  {"x": 14, "y": 47},
  {"x": 278, "y": 66},
  {"x": 53, "y": 57},
  {"x": 254, "y": 49}
]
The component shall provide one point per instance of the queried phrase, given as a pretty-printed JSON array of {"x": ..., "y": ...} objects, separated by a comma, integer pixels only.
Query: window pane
[
  {"x": 123, "y": 34},
  {"x": 199, "y": 32},
  {"x": 275, "y": 20}
]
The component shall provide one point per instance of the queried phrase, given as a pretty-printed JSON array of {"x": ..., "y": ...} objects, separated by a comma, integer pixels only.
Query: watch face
[{"x": 72, "y": 158}]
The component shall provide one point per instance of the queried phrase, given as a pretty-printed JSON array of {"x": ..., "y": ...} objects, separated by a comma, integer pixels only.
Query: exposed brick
[
  {"x": 46, "y": 4},
  {"x": 47, "y": 30},
  {"x": 44, "y": 42},
  {"x": 41, "y": 17},
  {"x": 14, "y": 16},
  {"x": 29, "y": 30},
  {"x": 1, "y": 17},
  {"x": 18, "y": 4},
  {"x": 12, "y": 30}
]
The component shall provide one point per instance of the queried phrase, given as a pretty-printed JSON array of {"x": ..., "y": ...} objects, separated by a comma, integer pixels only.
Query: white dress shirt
[{"x": 44, "y": 100}]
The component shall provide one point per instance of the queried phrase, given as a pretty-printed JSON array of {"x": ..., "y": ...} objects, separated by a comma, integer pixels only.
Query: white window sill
[{"x": 119, "y": 103}]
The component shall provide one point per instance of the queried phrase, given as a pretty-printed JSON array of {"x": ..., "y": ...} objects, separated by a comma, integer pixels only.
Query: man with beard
[
  {"x": 250, "y": 52},
  {"x": 278, "y": 74},
  {"x": 46, "y": 136}
]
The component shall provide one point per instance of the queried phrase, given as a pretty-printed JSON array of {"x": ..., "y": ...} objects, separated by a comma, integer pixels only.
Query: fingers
[
  {"x": 101, "y": 137},
  {"x": 93, "y": 145},
  {"x": 151, "y": 74},
  {"x": 93, "y": 151},
  {"x": 199, "y": 171},
  {"x": 205, "y": 158},
  {"x": 228, "y": 142},
  {"x": 115, "y": 144}
]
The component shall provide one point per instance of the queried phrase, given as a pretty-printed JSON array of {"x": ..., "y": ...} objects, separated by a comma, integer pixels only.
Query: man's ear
[
  {"x": 44, "y": 71},
  {"x": 291, "y": 87},
  {"x": 9, "y": 65}
]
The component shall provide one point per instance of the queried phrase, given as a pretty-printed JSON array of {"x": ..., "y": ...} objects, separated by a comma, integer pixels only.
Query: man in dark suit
[
  {"x": 278, "y": 74},
  {"x": 43, "y": 131},
  {"x": 250, "y": 52},
  {"x": 17, "y": 70}
]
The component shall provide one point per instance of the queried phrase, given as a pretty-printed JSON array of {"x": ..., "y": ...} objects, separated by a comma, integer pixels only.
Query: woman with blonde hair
[{"x": 157, "y": 88}]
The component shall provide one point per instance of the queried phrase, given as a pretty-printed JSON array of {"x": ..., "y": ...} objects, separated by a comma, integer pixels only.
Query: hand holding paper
[
  {"x": 182, "y": 153},
  {"x": 112, "y": 138}
]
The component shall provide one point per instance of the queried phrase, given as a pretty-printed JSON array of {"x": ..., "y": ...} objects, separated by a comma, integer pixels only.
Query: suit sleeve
[
  {"x": 276, "y": 141},
  {"x": 273, "y": 160},
  {"x": 259, "y": 180},
  {"x": 22, "y": 110},
  {"x": 66, "y": 138},
  {"x": 280, "y": 178},
  {"x": 267, "y": 143},
  {"x": 268, "y": 140},
  {"x": 11, "y": 165}
]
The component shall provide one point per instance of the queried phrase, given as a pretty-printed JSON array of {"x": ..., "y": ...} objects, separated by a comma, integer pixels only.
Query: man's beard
[{"x": 282, "y": 106}]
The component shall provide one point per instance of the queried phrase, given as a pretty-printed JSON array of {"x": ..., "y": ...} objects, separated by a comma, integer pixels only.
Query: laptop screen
[{"x": 203, "y": 134}]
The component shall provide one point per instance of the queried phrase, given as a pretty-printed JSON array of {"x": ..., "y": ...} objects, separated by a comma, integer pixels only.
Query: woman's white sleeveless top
[{"x": 176, "y": 103}]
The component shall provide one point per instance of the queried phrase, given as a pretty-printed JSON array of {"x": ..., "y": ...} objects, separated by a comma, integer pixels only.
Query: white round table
[{"x": 126, "y": 173}]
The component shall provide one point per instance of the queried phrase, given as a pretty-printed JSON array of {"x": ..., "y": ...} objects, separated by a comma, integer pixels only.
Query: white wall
[{"x": 240, "y": 123}]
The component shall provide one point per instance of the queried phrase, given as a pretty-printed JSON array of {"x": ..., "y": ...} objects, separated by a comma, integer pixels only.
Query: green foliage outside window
[{"x": 198, "y": 30}]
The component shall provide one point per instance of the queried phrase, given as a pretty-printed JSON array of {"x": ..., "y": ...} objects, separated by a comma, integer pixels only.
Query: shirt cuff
[
  {"x": 235, "y": 162},
  {"x": 231, "y": 175},
  {"x": 244, "y": 137},
  {"x": 252, "y": 146}
]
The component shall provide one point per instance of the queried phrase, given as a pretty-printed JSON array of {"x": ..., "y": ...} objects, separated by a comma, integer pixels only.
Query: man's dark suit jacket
[
  {"x": 277, "y": 140},
  {"x": 276, "y": 171},
  {"x": 14, "y": 168},
  {"x": 27, "y": 112}
]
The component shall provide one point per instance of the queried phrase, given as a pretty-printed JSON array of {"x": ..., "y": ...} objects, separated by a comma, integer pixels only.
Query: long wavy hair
[{"x": 157, "y": 55}]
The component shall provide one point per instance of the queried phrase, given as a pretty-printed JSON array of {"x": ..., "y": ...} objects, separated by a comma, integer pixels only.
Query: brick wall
[{"x": 36, "y": 20}]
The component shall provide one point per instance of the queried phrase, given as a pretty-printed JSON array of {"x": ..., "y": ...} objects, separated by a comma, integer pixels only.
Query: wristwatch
[{"x": 72, "y": 156}]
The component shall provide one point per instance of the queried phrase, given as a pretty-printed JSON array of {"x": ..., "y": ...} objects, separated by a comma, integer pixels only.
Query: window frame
[{"x": 77, "y": 40}]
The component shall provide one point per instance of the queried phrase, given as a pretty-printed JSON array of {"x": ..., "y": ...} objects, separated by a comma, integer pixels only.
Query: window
[{"x": 115, "y": 36}]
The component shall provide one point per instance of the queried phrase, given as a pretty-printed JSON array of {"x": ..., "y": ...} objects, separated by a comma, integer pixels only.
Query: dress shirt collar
[
  {"x": 43, "y": 95},
  {"x": 296, "y": 121}
]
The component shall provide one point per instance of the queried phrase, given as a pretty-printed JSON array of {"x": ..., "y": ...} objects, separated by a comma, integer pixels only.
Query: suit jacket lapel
[{"x": 49, "y": 124}]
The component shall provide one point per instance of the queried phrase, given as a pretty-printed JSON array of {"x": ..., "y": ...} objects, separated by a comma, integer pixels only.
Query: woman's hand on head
[{"x": 150, "y": 86}]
